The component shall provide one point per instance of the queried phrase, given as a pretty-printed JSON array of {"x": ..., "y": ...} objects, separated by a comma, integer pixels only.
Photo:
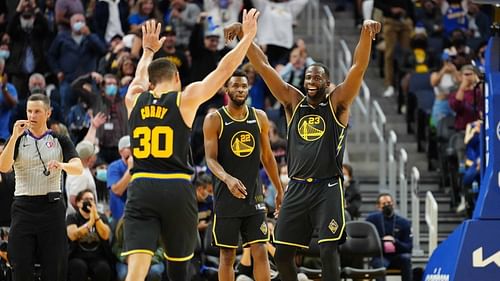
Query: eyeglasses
[{"x": 467, "y": 74}]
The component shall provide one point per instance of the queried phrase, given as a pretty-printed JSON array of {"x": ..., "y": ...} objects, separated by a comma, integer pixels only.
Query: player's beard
[{"x": 238, "y": 102}]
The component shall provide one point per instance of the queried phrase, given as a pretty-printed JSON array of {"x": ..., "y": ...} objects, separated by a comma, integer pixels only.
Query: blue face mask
[
  {"x": 77, "y": 26},
  {"x": 4, "y": 54},
  {"x": 111, "y": 90},
  {"x": 101, "y": 175}
]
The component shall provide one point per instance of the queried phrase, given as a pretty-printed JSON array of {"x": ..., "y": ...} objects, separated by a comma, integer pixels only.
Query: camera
[{"x": 86, "y": 206}]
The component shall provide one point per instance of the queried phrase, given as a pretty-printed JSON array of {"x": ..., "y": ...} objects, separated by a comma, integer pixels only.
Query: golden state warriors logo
[
  {"x": 242, "y": 144},
  {"x": 311, "y": 127}
]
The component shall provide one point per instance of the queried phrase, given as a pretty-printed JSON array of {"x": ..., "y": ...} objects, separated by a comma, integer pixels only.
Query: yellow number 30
[{"x": 149, "y": 141}]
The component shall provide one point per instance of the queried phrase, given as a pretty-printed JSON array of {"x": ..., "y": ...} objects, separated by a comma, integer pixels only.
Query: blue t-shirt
[
  {"x": 137, "y": 19},
  {"x": 116, "y": 170},
  {"x": 6, "y": 112}
]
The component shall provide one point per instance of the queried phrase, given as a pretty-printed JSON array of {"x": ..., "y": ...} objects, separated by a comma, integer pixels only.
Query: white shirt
[
  {"x": 75, "y": 184},
  {"x": 223, "y": 17},
  {"x": 275, "y": 25},
  {"x": 114, "y": 23}
]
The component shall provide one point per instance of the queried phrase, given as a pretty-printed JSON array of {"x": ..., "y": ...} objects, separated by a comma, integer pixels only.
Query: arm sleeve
[
  {"x": 71, "y": 219},
  {"x": 68, "y": 148},
  {"x": 404, "y": 243}
]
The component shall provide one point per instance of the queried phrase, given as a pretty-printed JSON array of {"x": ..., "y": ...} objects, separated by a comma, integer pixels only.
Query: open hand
[
  {"x": 150, "y": 36},
  {"x": 250, "y": 22}
]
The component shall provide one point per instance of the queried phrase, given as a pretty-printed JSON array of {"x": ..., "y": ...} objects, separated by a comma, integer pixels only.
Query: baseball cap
[
  {"x": 85, "y": 149},
  {"x": 168, "y": 30},
  {"x": 212, "y": 32},
  {"x": 124, "y": 142}
]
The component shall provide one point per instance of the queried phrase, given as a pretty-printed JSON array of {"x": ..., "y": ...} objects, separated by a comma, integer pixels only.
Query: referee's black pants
[{"x": 38, "y": 235}]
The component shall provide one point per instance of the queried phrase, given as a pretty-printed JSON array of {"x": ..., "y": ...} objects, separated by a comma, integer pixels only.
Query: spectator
[
  {"x": 431, "y": 19},
  {"x": 111, "y": 18},
  {"x": 398, "y": 26},
  {"x": 118, "y": 178},
  {"x": 88, "y": 232},
  {"x": 87, "y": 152},
  {"x": 4, "y": 46},
  {"x": 28, "y": 31},
  {"x": 112, "y": 105},
  {"x": 183, "y": 16},
  {"x": 156, "y": 268},
  {"x": 454, "y": 18},
  {"x": 173, "y": 54},
  {"x": 294, "y": 71},
  {"x": 64, "y": 10},
  {"x": 472, "y": 165},
  {"x": 8, "y": 102},
  {"x": 351, "y": 192},
  {"x": 7, "y": 186},
  {"x": 276, "y": 27},
  {"x": 395, "y": 232},
  {"x": 478, "y": 28},
  {"x": 37, "y": 85},
  {"x": 202, "y": 184},
  {"x": 144, "y": 10},
  {"x": 258, "y": 89},
  {"x": 47, "y": 8},
  {"x": 445, "y": 81},
  {"x": 70, "y": 48},
  {"x": 467, "y": 102},
  {"x": 223, "y": 13}
]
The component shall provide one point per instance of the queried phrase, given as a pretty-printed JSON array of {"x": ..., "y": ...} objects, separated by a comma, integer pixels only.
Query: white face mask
[
  {"x": 27, "y": 23},
  {"x": 284, "y": 180}
]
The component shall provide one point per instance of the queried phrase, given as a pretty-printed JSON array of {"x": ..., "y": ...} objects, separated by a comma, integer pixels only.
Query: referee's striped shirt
[{"x": 29, "y": 162}]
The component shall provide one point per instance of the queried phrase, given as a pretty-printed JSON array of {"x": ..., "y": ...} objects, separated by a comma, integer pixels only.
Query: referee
[{"x": 38, "y": 229}]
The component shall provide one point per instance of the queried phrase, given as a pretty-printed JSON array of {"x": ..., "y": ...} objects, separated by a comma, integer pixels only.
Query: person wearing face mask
[
  {"x": 88, "y": 231},
  {"x": 28, "y": 31},
  {"x": 395, "y": 232},
  {"x": 351, "y": 193},
  {"x": 111, "y": 104},
  {"x": 78, "y": 47}
]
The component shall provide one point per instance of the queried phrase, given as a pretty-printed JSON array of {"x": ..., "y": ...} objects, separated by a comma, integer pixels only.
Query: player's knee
[
  {"x": 227, "y": 256},
  {"x": 258, "y": 250}
]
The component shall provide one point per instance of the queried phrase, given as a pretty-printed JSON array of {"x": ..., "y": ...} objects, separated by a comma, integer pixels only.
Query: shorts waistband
[
  {"x": 312, "y": 180},
  {"x": 37, "y": 198},
  {"x": 172, "y": 176}
]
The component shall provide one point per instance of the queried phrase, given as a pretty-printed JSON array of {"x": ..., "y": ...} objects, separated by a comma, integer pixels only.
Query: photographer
[{"x": 89, "y": 234}]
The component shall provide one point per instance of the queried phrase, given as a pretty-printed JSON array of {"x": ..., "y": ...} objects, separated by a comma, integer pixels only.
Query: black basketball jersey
[
  {"x": 239, "y": 154},
  {"x": 159, "y": 137},
  {"x": 315, "y": 142}
]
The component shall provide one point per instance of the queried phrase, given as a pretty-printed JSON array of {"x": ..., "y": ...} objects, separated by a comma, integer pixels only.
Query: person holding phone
[
  {"x": 38, "y": 157},
  {"x": 88, "y": 232},
  {"x": 468, "y": 100}
]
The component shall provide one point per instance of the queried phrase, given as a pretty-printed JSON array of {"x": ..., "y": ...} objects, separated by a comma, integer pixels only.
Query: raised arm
[
  {"x": 267, "y": 157},
  {"x": 211, "y": 129},
  {"x": 150, "y": 45},
  {"x": 197, "y": 93},
  {"x": 346, "y": 92},
  {"x": 286, "y": 94}
]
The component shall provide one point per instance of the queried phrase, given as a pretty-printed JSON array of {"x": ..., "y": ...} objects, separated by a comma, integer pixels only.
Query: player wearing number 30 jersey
[{"x": 161, "y": 201}]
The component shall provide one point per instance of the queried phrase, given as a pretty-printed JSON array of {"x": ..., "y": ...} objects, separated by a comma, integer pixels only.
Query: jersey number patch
[{"x": 149, "y": 142}]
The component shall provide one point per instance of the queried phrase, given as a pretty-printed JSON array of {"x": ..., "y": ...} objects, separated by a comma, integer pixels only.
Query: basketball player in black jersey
[
  {"x": 161, "y": 200},
  {"x": 236, "y": 142},
  {"x": 316, "y": 141}
]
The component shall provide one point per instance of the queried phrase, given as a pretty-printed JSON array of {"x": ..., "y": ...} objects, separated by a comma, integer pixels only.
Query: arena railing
[
  {"x": 327, "y": 45},
  {"x": 403, "y": 184},
  {"x": 379, "y": 121},
  {"x": 415, "y": 212},
  {"x": 431, "y": 218},
  {"x": 393, "y": 166}
]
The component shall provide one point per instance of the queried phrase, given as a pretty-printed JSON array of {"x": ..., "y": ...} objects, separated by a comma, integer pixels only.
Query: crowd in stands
[{"x": 436, "y": 67}]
